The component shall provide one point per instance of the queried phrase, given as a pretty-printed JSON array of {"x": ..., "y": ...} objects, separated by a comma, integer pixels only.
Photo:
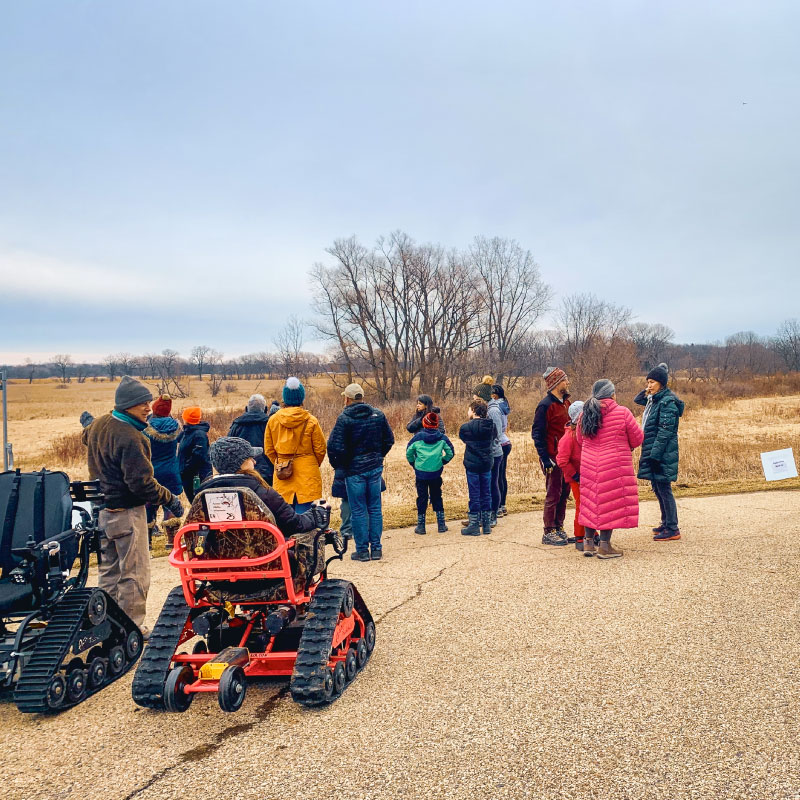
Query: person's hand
[
  {"x": 321, "y": 512},
  {"x": 175, "y": 506},
  {"x": 576, "y": 477},
  {"x": 547, "y": 466}
]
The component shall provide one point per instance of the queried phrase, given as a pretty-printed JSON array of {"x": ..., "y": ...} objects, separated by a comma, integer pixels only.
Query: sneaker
[
  {"x": 376, "y": 554},
  {"x": 502, "y": 511},
  {"x": 562, "y": 534},
  {"x": 552, "y": 537},
  {"x": 667, "y": 536},
  {"x": 360, "y": 555},
  {"x": 659, "y": 529}
]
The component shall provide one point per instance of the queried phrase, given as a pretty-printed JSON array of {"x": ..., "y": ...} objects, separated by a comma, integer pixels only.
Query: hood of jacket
[
  {"x": 200, "y": 426},
  {"x": 428, "y": 435},
  {"x": 291, "y": 416},
  {"x": 251, "y": 418},
  {"x": 504, "y": 406},
  {"x": 667, "y": 394},
  {"x": 360, "y": 411},
  {"x": 162, "y": 429}
]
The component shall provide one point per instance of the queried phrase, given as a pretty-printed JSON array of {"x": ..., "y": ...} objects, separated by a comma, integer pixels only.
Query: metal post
[{"x": 4, "y": 386}]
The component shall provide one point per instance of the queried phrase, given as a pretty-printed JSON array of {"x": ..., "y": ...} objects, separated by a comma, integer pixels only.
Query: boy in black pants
[
  {"x": 477, "y": 434},
  {"x": 428, "y": 452}
]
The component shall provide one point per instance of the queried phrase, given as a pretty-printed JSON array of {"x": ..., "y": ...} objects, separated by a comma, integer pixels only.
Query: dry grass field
[{"x": 720, "y": 439}]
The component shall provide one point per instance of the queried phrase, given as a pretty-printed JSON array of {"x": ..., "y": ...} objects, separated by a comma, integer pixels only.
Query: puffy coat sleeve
[
  {"x": 269, "y": 446},
  {"x": 318, "y": 444},
  {"x": 288, "y": 521},
  {"x": 448, "y": 451},
  {"x": 539, "y": 432},
  {"x": 635, "y": 433},
  {"x": 411, "y": 452},
  {"x": 667, "y": 429},
  {"x": 563, "y": 456},
  {"x": 415, "y": 424},
  {"x": 388, "y": 437},
  {"x": 337, "y": 444},
  {"x": 641, "y": 398}
]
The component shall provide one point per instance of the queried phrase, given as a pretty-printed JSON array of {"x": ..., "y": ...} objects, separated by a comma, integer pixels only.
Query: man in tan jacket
[{"x": 119, "y": 457}]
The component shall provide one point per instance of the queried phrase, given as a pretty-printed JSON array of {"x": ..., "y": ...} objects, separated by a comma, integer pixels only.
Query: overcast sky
[{"x": 169, "y": 171}]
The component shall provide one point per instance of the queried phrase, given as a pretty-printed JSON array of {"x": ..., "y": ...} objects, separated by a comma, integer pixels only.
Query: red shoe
[{"x": 667, "y": 536}]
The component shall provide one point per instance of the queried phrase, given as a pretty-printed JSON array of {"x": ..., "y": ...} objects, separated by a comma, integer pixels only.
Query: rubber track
[
  {"x": 53, "y": 646},
  {"x": 148, "y": 682},
  {"x": 313, "y": 652}
]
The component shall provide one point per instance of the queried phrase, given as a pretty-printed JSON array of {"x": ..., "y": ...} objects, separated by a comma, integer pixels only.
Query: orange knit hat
[{"x": 192, "y": 415}]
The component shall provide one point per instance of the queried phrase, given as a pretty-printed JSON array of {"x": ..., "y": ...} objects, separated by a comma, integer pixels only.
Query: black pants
[
  {"x": 666, "y": 502},
  {"x": 432, "y": 487},
  {"x": 502, "y": 477}
]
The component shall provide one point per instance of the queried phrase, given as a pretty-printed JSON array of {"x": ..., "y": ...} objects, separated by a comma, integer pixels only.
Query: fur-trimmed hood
[{"x": 163, "y": 429}]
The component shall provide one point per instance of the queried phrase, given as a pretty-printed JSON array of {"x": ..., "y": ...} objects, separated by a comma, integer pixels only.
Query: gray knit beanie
[
  {"x": 228, "y": 453},
  {"x": 257, "y": 402},
  {"x": 130, "y": 393}
]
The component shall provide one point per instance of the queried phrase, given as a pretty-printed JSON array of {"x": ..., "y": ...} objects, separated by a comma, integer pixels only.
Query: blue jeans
[
  {"x": 498, "y": 460},
  {"x": 366, "y": 516},
  {"x": 300, "y": 508},
  {"x": 479, "y": 485},
  {"x": 347, "y": 525}
]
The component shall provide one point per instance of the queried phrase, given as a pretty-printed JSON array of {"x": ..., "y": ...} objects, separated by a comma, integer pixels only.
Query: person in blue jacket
[{"x": 164, "y": 433}]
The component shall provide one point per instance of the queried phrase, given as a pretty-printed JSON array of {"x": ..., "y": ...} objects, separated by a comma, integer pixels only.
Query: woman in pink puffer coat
[{"x": 607, "y": 433}]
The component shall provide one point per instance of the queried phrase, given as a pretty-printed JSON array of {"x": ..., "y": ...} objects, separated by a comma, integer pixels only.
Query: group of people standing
[{"x": 587, "y": 448}]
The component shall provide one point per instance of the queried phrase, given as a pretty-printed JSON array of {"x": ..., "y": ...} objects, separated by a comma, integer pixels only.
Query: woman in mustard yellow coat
[{"x": 292, "y": 430}]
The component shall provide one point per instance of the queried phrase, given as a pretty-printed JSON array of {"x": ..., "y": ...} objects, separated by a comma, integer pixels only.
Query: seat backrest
[{"x": 32, "y": 504}]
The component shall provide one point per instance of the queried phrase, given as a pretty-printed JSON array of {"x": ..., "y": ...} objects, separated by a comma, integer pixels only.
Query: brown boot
[
  {"x": 170, "y": 529},
  {"x": 588, "y": 546},
  {"x": 607, "y": 550}
]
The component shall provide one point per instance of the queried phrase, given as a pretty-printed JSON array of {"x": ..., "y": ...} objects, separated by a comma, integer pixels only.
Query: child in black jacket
[{"x": 477, "y": 435}]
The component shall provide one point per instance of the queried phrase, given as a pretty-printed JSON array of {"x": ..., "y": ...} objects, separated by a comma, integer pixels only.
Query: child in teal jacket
[{"x": 428, "y": 452}]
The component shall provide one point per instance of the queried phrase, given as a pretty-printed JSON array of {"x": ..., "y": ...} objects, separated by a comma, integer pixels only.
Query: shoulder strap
[{"x": 8, "y": 522}]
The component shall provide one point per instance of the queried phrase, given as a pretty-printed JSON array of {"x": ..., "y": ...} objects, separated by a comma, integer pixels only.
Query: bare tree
[
  {"x": 63, "y": 362},
  {"x": 652, "y": 341},
  {"x": 30, "y": 370},
  {"x": 199, "y": 357},
  {"x": 111, "y": 366},
  {"x": 214, "y": 361},
  {"x": 787, "y": 343},
  {"x": 170, "y": 374},
  {"x": 289, "y": 344}
]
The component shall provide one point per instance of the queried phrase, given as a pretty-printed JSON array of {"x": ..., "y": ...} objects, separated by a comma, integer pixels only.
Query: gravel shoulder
[{"x": 503, "y": 669}]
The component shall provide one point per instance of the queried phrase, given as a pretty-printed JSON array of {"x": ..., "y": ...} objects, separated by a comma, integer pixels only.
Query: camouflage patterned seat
[{"x": 249, "y": 543}]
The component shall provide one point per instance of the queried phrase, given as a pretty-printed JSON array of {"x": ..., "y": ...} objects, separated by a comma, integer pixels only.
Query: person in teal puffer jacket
[
  {"x": 659, "y": 461},
  {"x": 428, "y": 452}
]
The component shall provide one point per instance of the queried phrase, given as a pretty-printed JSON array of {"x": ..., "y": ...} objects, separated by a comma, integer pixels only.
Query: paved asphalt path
[{"x": 503, "y": 669}]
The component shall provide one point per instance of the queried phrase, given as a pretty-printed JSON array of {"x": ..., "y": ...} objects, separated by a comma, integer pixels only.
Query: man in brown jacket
[{"x": 119, "y": 457}]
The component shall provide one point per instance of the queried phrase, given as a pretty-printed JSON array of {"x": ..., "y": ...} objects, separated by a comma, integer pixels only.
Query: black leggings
[
  {"x": 605, "y": 536},
  {"x": 503, "y": 480}
]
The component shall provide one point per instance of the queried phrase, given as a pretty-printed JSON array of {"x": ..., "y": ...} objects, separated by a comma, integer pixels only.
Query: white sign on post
[
  {"x": 223, "y": 507},
  {"x": 779, "y": 465}
]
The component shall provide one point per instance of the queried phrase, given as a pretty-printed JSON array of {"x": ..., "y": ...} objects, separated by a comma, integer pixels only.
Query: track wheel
[
  {"x": 361, "y": 653},
  {"x": 134, "y": 644},
  {"x": 339, "y": 678},
  {"x": 56, "y": 691},
  {"x": 97, "y": 672},
  {"x": 116, "y": 660},
  {"x": 347, "y": 602},
  {"x": 96, "y": 610},
  {"x": 76, "y": 681},
  {"x": 350, "y": 664},
  {"x": 175, "y": 698},
  {"x": 327, "y": 686},
  {"x": 369, "y": 636},
  {"x": 232, "y": 688}
]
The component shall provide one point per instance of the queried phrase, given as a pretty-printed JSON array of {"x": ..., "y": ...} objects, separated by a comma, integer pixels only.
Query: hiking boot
[
  {"x": 579, "y": 545},
  {"x": 376, "y": 554},
  {"x": 607, "y": 550},
  {"x": 486, "y": 522},
  {"x": 667, "y": 536},
  {"x": 465, "y": 522},
  {"x": 551, "y": 537},
  {"x": 659, "y": 529},
  {"x": 420, "y": 529},
  {"x": 589, "y": 548},
  {"x": 441, "y": 525},
  {"x": 492, "y": 518},
  {"x": 171, "y": 527},
  {"x": 473, "y": 527},
  {"x": 360, "y": 555}
]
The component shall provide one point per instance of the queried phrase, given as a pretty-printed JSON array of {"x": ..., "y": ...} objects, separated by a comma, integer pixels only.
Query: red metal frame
[{"x": 266, "y": 664}]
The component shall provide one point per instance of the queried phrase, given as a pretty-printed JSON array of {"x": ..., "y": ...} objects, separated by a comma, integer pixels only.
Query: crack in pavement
[{"x": 418, "y": 590}]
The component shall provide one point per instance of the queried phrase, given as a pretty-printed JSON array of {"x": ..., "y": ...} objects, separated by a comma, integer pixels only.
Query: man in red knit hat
[{"x": 549, "y": 423}]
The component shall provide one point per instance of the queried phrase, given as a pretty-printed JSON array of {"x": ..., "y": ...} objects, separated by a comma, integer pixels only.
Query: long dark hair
[{"x": 592, "y": 417}]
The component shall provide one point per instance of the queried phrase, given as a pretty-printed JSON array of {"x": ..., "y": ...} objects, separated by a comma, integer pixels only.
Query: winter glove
[
  {"x": 547, "y": 466},
  {"x": 321, "y": 515},
  {"x": 86, "y": 419},
  {"x": 175, "y": 506},
  {"x": 576, "y": 478}
]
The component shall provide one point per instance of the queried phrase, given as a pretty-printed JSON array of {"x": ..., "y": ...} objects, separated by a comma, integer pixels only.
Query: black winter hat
[
  {"x": 659, "y": 373},
  {"x": 228, "y": 453}
]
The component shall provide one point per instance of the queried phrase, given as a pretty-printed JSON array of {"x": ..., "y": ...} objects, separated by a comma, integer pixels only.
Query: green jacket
[
  {"x": 659, "y": 460},
  {"x": 428, "y": 451}
]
